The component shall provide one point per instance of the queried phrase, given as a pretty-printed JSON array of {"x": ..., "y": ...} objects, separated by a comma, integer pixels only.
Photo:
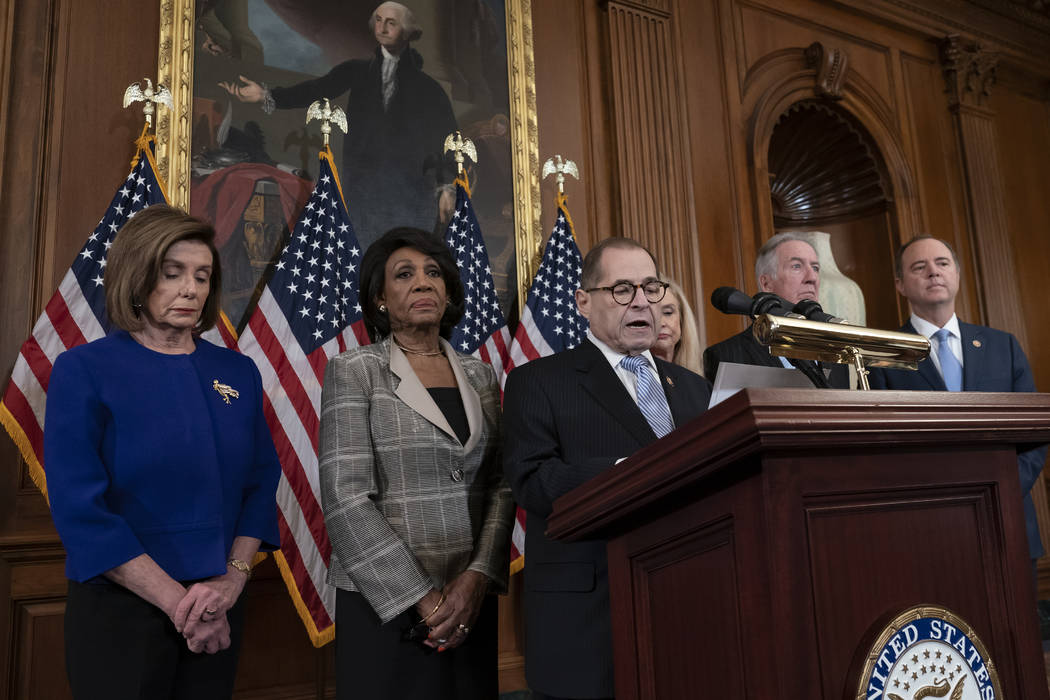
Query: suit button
[{"x": 457, "y": 475}]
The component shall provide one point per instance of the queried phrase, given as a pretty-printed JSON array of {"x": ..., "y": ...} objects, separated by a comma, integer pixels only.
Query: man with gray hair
[
  {"x": 788, "y": 266},
  {"x": 399, "y": 117}
]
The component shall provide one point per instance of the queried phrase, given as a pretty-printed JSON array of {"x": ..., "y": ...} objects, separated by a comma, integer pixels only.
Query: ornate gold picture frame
[{"x": 178, "y": 47}]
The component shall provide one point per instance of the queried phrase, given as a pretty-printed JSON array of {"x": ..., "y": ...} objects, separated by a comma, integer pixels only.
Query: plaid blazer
[{"x": 407, "y": 506}]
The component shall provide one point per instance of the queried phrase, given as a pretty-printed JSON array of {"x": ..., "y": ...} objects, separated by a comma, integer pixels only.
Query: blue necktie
[
  {"x": 651, "y": 399},
  {"x": 951, "y": 370}
]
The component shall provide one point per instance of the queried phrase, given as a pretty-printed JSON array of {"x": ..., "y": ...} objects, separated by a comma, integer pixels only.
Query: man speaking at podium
[
  {"x": 569, "y": 417},
  {"x": 963, "y": 357}
]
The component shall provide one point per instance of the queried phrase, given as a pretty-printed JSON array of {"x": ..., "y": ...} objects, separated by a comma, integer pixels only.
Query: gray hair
[
  {"x": 408, "y": 20},
  {"x": 766, "y": 262}
]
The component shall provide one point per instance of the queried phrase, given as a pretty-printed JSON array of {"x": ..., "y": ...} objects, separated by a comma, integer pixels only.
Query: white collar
[
  {"x": 387, "y": 56},
  {"x": 613, "y": 357},
  {"x": 927, "y": 329}
]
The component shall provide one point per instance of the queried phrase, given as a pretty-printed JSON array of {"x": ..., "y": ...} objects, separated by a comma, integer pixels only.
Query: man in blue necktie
[
  {"x": 571, "y": 416},
  {"x": 963, "y": 357}
]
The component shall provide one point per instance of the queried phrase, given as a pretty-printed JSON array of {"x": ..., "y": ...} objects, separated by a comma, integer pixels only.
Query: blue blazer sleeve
[
  {"x": 259, "y": 507},
  {"x": 95, "y": 538}
]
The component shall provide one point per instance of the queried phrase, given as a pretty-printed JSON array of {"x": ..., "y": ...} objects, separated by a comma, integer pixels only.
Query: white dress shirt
[
  {"x": 390, "y": 62},
  {"x": 627, "y": 377}
]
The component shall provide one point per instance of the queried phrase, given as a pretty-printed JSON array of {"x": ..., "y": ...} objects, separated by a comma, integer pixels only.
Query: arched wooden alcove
[
  {"x": 827, "y": 174},
  {"x": 842, "y": 167}
]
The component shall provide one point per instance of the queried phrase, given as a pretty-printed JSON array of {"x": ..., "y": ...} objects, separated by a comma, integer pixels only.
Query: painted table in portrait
[{"x": 238, "y": 152}]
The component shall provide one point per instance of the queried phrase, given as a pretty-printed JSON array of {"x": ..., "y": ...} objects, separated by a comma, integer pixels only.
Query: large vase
[{"x": 839, "y": 295}]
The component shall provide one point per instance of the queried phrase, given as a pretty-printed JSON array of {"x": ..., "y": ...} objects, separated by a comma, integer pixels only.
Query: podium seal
[{"x": 928, "y": 652}]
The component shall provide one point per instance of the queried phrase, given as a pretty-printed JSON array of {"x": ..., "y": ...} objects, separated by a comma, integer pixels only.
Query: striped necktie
[
  {"x": 951, "y": 370},
  {"x": 651, "y": 399}
]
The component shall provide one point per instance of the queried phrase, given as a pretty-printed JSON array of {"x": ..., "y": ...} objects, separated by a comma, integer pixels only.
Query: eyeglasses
[{"x": 623, "y": 292}]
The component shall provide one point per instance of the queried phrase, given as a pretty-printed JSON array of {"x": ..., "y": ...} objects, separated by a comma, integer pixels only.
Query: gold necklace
[{"x": 424, "y": 353}]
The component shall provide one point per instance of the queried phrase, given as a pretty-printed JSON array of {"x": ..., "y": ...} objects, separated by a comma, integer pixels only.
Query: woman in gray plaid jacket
[{"x": 412, "y": 488}]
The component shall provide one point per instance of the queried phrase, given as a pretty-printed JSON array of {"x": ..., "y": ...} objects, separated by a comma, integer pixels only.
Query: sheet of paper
[{"x": 732, "y": 377}]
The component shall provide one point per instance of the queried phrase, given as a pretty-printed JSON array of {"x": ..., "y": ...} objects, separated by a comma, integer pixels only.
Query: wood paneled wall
[{"x": 666, "y": 105}]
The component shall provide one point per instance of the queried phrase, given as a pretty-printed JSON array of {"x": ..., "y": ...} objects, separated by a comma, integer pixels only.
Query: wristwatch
[{"x": 241, "y": 565}]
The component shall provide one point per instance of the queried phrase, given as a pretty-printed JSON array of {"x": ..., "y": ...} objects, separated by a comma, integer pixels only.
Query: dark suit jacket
[
  {"x": 567, "y": 418},
  {"x": 992, "y": 361},
  {"x": 392, "y": 157},
  {"x": 742, "y": 348}
]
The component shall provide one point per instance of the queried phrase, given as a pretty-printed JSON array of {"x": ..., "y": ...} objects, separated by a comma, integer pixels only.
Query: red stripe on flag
[
  {"x": 227, "y": 336},
  {"x": 360, "y": 332},
  {"x": 37, "y": 361},
  {"x": 521, "y": 335},
  {"x": 297, "y": 480},
  {"x": 318, "y": 360},
  {"x": 286, "y": 375},
  {"x": 23, "y": 414},
  {"x": 501, "y": 345},
  {"x": 303, "y": 582},
  {"x": 64, "y": 323},
  {"x": 519, "y": 524}
]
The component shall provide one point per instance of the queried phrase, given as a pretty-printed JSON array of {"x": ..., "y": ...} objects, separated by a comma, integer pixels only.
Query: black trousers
[
  {"x": 120, "y": 647},
  {"x": 374, "y": 663}
]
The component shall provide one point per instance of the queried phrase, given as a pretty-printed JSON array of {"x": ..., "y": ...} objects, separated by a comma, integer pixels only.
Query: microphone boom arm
[{"x": 832, "y": 342}]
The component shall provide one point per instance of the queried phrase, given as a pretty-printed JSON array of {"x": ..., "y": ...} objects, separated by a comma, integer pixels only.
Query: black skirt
[
  {"x": 121, "y": 647},
  {"x": 374, "y": 663}
]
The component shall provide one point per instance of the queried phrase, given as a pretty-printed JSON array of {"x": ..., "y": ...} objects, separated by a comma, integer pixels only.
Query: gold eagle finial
[
  {"x": 327, "y": 115},
  {"x": 562, "y": 168},
  {"x": 159, "y": 96},
  {"x": 462, "y": 147}
]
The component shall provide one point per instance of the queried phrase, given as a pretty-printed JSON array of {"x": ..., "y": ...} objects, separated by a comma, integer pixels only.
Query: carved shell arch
[
  {"x": 823, "y": 166},
  {"x": 788, "y": 77}
]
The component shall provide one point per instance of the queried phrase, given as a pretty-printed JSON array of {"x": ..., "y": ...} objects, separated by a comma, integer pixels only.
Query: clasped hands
[
  {"x": 200, "y": 616},
  {"x": 451, "y": 612}
]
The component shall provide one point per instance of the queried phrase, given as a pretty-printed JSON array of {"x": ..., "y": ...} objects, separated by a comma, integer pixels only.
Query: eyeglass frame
[{"x": 634, "y": 291}]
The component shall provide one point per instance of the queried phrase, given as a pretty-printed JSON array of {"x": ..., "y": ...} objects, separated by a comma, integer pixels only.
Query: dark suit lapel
[
  {"x": 758, "y": 352},
  {"x": 676, "y": 398},
  {"x": 973, "y": 351},
  {"x": 927, "y": 370},
  {"x": 599, "y": 379}
]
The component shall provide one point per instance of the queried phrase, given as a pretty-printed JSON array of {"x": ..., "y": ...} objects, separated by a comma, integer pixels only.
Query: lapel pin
[
  {"x": 976, "y": 343},
  {"x": 225, "y": 390},
  {"x": 669, "y": 382}
]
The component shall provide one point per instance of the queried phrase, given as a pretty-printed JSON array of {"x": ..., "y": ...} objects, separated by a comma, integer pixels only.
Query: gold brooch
[
  {"x": 976, "y": 343},
  {"x": 225, "y": 390}
]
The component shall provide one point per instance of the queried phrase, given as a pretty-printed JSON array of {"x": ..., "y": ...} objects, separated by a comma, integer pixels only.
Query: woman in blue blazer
[{"x": 161, "y": 475}]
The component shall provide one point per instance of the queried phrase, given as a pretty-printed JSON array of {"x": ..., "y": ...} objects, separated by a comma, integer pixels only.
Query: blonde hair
[
  {"x": 687, "y": 350},
  {"x": 137, "y": 255}
]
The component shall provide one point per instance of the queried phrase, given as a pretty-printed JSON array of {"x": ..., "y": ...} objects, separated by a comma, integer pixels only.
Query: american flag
[
  {"x": 549, "y": 323},
  {"x": 76, "y": 313},
  {"x": 308, "y": 312},
  {"x": 483, "y": 331}
]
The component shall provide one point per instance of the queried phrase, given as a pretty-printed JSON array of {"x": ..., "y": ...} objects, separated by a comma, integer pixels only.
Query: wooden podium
[{"x": 756, "y": 551}]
